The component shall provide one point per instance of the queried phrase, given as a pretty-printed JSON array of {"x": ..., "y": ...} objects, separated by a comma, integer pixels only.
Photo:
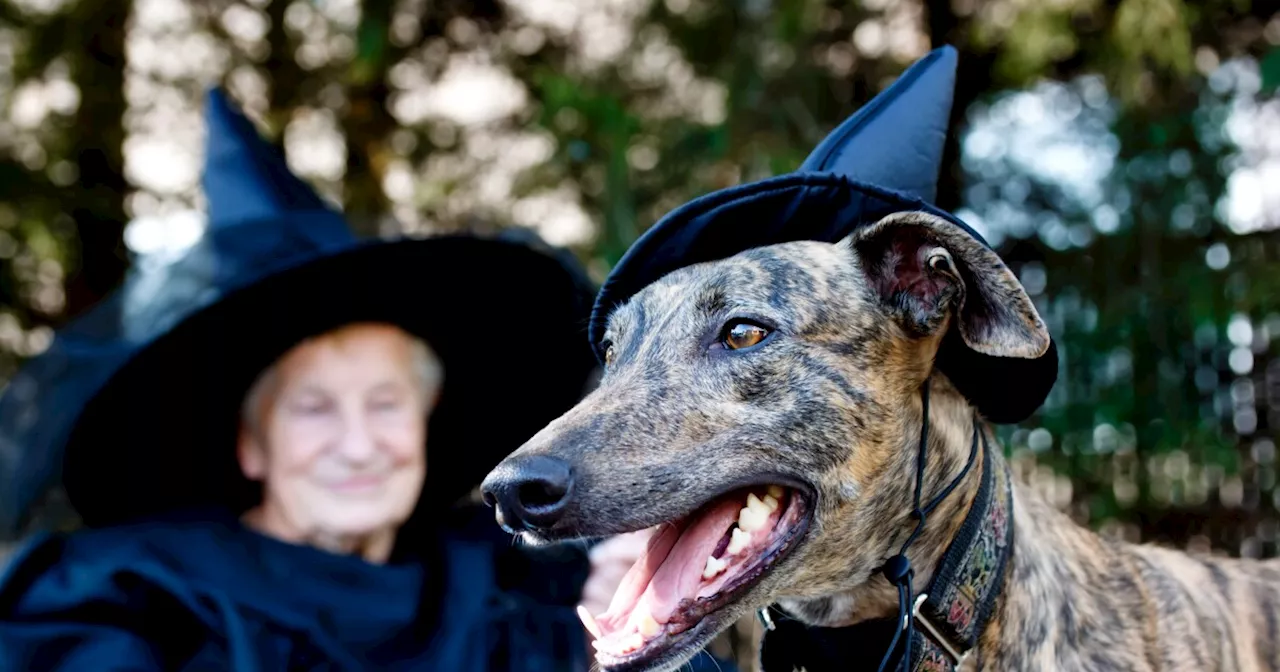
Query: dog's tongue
[{"x": 671, "y": 568}]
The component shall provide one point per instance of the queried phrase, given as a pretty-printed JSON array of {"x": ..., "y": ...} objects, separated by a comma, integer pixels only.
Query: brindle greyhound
[
  {"x": 786, "y": 419},
  {"x": 796, "y": 369}
]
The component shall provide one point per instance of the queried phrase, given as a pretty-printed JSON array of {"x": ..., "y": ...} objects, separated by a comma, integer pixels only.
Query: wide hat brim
[{"x": 507, "y": 321}]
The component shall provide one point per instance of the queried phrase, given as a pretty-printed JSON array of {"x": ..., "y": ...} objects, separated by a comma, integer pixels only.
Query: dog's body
[
  {"x": 1075, "y": 601},
  {"x": 819, "y": 393},
  {"x": 1072, "y": 600}
]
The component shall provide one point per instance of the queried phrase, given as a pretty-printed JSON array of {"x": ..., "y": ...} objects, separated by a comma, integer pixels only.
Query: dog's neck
[
  {"x": 959, "y": 541},
  {"x": 951, "y": 425}
]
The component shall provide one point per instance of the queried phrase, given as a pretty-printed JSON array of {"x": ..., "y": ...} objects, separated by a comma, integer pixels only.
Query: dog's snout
[{"x": 530, "y": 492}]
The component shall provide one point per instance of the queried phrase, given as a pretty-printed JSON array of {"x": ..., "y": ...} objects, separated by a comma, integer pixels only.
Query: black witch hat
[
  {"x": 135, "y": 405},
  {"x": 884, "y": 159}
]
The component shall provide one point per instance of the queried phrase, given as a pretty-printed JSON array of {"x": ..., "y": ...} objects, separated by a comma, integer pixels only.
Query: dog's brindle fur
[{"x": 831, "y": 400}]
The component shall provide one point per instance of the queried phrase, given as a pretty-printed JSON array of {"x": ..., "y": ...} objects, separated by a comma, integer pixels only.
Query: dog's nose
[{"x": 530, "y": 492}]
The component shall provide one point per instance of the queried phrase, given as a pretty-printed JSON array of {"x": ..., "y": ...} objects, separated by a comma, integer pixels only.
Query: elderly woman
[{"x": 243, "y": 431}]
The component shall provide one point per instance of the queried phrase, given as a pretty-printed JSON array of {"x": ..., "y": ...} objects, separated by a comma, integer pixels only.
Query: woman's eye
[
  {"x": 311, "y": 408},
  {"x": 386, "y": 404},
  {"x": 741, "y": 334}
]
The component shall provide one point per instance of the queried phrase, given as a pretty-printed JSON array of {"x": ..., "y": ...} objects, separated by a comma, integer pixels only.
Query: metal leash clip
[{"x": 766, "y": 619}]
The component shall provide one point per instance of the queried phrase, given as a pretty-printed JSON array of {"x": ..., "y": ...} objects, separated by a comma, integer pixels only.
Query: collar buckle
[{"x": 936, "y": 634}]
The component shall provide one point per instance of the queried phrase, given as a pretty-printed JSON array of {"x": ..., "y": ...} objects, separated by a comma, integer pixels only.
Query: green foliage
[{"x": 1270, "y": 67}]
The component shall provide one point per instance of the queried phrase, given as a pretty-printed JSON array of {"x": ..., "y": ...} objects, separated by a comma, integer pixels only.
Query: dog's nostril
[
  {"x": 541, "y": 494},
  {"x": 533, "y": 491}
]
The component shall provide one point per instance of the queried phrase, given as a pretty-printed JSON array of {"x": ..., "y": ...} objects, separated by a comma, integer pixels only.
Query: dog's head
[{"x": 758, "y": 411}]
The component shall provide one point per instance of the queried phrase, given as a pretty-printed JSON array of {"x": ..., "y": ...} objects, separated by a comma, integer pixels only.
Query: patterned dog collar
[{"x": 958, "y": 604}]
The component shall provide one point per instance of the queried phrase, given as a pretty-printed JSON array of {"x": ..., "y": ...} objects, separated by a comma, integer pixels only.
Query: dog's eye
[
  {"x": 741, "y": 334},
  {"x": 608, "y": 355}
]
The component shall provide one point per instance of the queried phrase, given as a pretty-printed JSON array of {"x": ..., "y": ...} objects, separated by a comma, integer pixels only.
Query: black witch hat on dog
[
  {"x": 135, "y": 405},
  {"x": 884, "y": 159}
]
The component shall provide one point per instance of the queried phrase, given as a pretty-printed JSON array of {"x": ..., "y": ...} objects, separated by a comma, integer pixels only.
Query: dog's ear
[{"x": 925, "y": 268}]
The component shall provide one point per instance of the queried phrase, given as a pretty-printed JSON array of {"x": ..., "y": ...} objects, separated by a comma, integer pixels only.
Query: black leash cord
[{"x": 898, "y": 569}]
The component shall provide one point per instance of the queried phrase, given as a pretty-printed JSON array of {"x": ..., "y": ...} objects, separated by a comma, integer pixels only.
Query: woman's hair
[{"x": 427, "y": 368}]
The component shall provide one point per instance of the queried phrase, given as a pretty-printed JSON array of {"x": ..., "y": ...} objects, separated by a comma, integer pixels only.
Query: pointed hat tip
[
  {"x": 245, "y": 178},
  {"x": 215, "y": 96},
  {"x": 896, "y": 140},
  {"x": 224, "y": 117}
]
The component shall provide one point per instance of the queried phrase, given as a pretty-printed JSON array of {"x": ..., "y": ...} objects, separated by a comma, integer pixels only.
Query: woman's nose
[{"x": 358, "y": 443}]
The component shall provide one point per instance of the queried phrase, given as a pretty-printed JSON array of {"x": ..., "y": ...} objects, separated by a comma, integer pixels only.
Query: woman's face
[{"x": 339, "y": 436}]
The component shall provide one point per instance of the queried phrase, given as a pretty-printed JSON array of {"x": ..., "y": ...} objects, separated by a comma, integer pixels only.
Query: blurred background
[{"x": 1123, "y": 156}]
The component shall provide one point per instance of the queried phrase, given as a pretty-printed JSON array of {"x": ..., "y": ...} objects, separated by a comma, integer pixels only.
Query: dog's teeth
[
  {"x": 776, "y": 491},
  {"x": 648, "y": 626},
  {"x": 754, "y": 515},
  {"x": 631, "y": 643},
  {"x": 751, "y": 519},
  {"x": 771, "y": 502},
  {"x": 589, "y": 621},
  {"x": 715, "y": 565},
  {"x": 756, "y": 504},
  {"x": 738, "y": 542}
]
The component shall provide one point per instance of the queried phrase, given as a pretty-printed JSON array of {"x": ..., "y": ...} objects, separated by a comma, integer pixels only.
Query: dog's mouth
[{"x": 694, "y": 568}]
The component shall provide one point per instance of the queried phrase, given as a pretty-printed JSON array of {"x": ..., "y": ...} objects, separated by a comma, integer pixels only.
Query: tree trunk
[
  {"x": 367, "y": 123},
  {"x": 282, "y": 69},
  {"x": 973, "y": 77},
  {"x": 97, "y": 148}
]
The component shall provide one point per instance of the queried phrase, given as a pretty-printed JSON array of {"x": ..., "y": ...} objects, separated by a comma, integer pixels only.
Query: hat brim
[
  {"x": 822, "y": 207},
  {"x": 508, "y": 322}
]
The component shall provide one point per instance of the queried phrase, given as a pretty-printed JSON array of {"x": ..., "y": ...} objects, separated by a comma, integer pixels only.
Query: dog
[{"x": 762, "y": 414}]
